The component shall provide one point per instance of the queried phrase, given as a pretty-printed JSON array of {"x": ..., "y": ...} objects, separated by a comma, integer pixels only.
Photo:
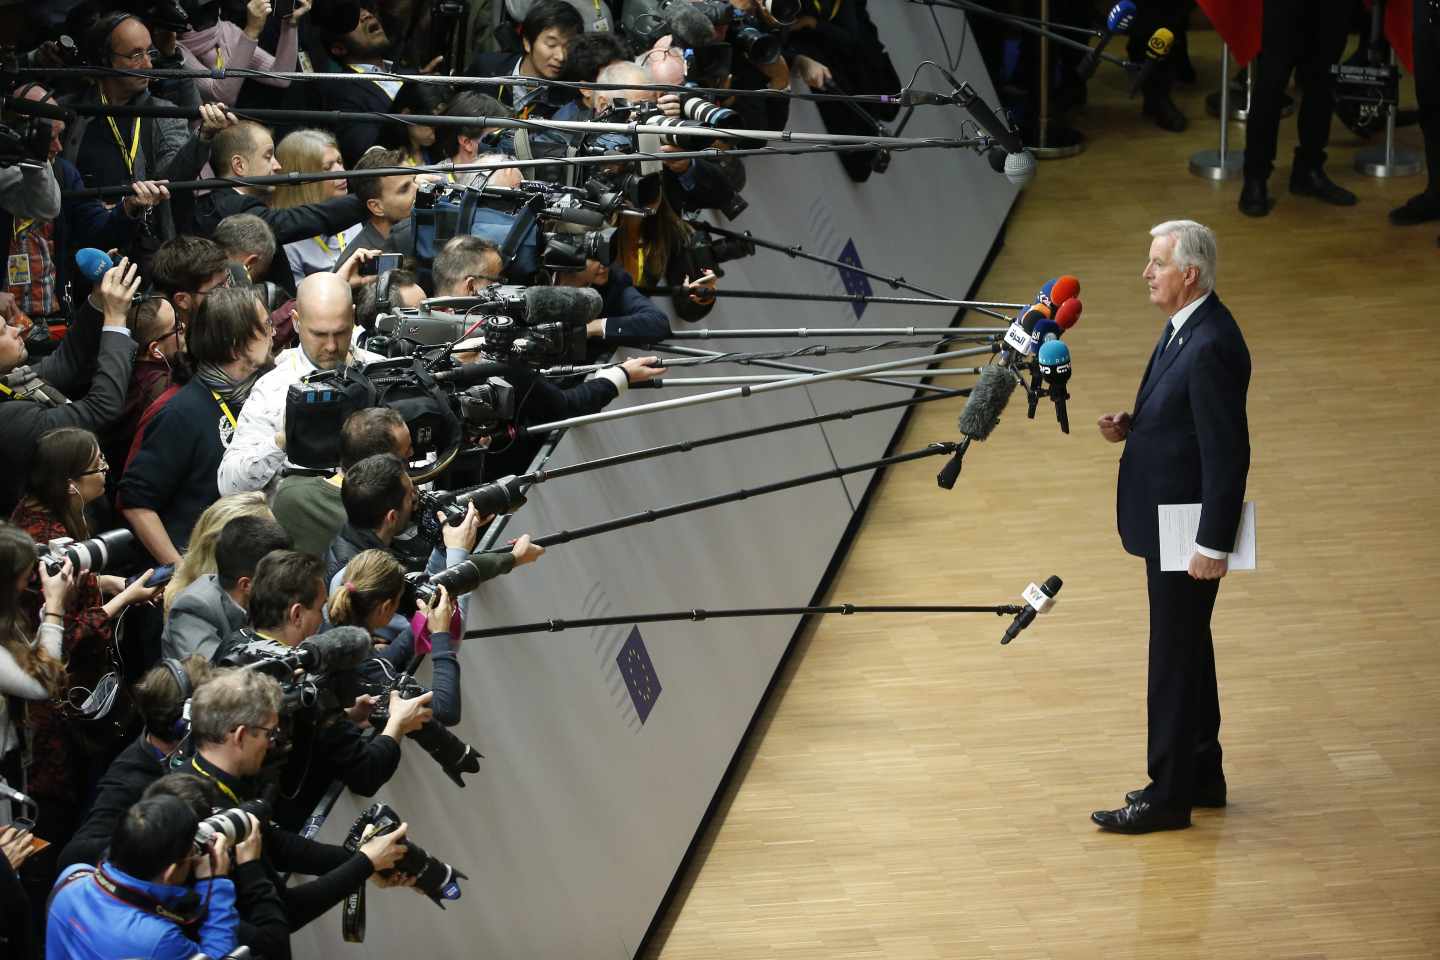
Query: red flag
[
  {"x": 1239, "y": 23},
  {"x": 1400, "y": 31}
]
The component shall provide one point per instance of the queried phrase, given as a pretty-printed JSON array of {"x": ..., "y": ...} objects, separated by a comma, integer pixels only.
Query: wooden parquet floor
[{"x": 918, "y": 791}]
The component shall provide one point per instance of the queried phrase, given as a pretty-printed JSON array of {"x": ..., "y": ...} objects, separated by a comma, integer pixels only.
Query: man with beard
[{"x": 356, "y": 39}]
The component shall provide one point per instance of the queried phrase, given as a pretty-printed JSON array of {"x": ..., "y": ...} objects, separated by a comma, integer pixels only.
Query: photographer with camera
[
  {"x": 40, "y": 289},
  {"x": 153, "y": 896},
  {"x": 235, "y": 723},
  {"x": 214, "y": 606},
  {"x": 388, "y": 202},
  {"x": 161, "y": 697},
  {"x": 213, "y": 43},
  {"x": 98, "y": 351},
  {"x": 287, "y": 602},
  {"x": 325, "y": 324},
  {"x": 171, "y": 479}
]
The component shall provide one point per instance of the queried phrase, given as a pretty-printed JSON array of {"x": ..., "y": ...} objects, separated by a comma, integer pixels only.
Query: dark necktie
[{"x": 1169, "y": 335}]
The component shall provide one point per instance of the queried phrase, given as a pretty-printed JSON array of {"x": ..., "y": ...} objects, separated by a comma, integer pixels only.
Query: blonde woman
[
  {"x": 199, "y": 557},
  {"x": 312, "y": 151},
  {"x": 368, "y": 595}
]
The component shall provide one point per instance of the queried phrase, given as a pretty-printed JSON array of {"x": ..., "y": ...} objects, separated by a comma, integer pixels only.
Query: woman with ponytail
[{"x": 370, "y": 592}]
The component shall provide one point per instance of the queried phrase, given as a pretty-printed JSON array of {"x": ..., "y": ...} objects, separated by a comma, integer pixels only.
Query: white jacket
[{"x": 253, "y": 461}]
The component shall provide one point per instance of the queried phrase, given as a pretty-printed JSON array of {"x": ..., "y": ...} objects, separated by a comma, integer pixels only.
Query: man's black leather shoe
[
  {"x": 1315, "y": 183},
  {"x": 1421, "y": 208},
  {"x": 1255, "y": 199},
  {"x": 1211, "y": 795},
  {"x": 1142, "y": 817},
  {"x": 1167, "y": 116}
]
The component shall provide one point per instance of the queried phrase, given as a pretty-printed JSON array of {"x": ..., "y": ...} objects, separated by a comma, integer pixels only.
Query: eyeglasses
[
  {"x": 135, "y": 56},
  {"x": 104, "y": 467},
  {"x": 273, "y": 734}
]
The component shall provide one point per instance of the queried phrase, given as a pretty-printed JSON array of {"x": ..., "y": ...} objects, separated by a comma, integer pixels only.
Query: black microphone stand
[
  {"x": 697, "y": 615},
  {"x": 826, "y": 298}
]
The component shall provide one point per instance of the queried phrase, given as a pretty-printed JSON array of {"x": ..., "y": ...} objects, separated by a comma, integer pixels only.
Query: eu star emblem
[
  {"x": 856, "y": 284},
  {"x": 639, "y": 673}
]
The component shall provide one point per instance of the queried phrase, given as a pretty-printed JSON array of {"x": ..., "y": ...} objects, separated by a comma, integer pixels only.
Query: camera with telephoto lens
[
  {"x": 232, "y": 824},
  {"x": 436, "y": 879},
  {"x": 505, "y": 495},
  {"x": 697, "y": 108},
  {"x": 750, "y": 35},
  {"x": 96, "y": 554},
  {"x": 706, "y": 252},
  {"x": 378, "y": 679}
]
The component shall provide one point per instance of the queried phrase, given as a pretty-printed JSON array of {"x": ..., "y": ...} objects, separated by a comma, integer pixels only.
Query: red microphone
[
  {"x": 1065, "y": 288},
  {"x": 1068, "y": 313}
]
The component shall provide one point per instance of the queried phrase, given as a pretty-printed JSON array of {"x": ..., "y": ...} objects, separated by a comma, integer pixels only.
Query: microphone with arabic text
[
  {"x": 1038, "y": 599},
  {"x": 1121, "y": 16},
  {"x": 982, "y": 411},
  {"x": 1157, "y": 49}
]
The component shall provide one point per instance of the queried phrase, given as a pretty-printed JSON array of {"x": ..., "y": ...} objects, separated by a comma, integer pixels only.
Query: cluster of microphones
[
  {"x": 1032, "y": 343},
  {"x": 1118, "y": 22}
]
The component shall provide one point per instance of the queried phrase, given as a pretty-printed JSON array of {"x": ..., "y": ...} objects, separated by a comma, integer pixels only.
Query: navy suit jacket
[{"x": 1189, "y": 440}]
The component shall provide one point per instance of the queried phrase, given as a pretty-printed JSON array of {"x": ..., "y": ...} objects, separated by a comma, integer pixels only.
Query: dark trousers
[
  {"x": 1427, "y": 86},
  {"x": 1304, "y": 37},
  {"x": 1182, "y": 699}
]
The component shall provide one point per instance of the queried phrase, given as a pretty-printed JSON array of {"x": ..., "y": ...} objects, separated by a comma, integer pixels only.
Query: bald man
[{"x": 325, "y": 323}]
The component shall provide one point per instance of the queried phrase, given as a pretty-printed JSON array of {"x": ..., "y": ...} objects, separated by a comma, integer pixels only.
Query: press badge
[{"x": 19, "y": 270}]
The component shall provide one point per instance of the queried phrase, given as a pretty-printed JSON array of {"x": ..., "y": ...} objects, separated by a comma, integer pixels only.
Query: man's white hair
[{"x": 1194, "y": 247}]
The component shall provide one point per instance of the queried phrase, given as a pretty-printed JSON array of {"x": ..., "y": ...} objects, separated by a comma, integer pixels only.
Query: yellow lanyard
[
  {"x": 129, "y": 158},
  {"x": 225, "y": 409},
  {"x": 376, "y": 82},
  {"x": 219, "y": 58},
  {"x": 22, "y": 226},
  {"x": 223, "y": 788},
  {"x": 339, "y": 239}
]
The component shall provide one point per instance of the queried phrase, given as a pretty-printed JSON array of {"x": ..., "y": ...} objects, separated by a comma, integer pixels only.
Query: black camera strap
[{"x": 187, "y": 913}]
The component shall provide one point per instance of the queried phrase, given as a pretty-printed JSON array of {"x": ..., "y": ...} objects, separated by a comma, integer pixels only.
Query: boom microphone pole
[
  {"x": 839, "y": 298},
  {"x": 1031, "y": 26},
  {"x": 697, "y": 614},
  {"x": 663, "y": 382},
  {"x": 762, "y": 333},
  {"x": 802, "y": 368}
]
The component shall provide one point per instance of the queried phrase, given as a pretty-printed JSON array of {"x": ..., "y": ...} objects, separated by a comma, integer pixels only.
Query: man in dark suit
[{"x": 1186, "y": 441}]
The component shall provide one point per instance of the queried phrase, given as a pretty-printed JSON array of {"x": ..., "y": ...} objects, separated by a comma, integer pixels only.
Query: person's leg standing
[
  {"x": 1425, "y": 206},
  {"x": 1278, "y": 51},
  {"x": 1169, "y": 752},
  {"x": 1208, "y": 767},
  {"x": 1323, "y": 33}
]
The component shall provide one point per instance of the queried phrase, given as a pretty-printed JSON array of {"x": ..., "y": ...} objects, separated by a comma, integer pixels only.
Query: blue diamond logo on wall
[
  {"x": 856, "y": 284},
  {"x": 639, "y": 673}
]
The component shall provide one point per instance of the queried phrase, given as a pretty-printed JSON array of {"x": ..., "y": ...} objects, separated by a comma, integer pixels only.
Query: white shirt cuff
[
  {"x": 617, "y": 376},
  {"x": 1212, "y": 554}
]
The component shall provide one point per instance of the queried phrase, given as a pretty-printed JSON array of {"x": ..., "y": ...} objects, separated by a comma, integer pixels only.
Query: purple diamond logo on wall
[
  {"x": 856, "y": 284},
  {"x": 639, "y": 673}
]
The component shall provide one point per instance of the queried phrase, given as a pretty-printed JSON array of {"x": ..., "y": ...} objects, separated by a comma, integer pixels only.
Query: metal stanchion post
[
  {"x": 1387, "y": 161},
  {"x": 1220, "y": 164},
  {"x": 1051, "y": 142},
  {"x": 1240, "y": 112}
]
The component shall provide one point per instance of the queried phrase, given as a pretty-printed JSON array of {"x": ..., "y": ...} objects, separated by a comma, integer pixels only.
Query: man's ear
[
  {"x": 242, "y": 584},
  {"x": 376, "y": 208},
  {"x": 248, "y": 262},
  {"x": 182, "y": 301}
]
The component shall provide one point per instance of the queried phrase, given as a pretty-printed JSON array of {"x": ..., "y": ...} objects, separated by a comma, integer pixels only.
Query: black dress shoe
[
  {"x": 1421, "y": 208},
  {"x": 1141, "y": 817},
  {"x": 1314, "y": 183},
  {"x": 1255, "y": 199},
  {"x": 1167, "y": 116},
  {"x": 1210, "y": 795}
]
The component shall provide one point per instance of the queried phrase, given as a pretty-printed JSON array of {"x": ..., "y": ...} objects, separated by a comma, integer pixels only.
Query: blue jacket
[{"x": 86, "y": 923}]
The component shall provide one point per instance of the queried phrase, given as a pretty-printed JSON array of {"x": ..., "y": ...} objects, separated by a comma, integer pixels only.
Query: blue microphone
[
  {"x": 1054, "y": 362},
  {"x": 1122, "y": 15},
  {"x": 93, "y": 263}
]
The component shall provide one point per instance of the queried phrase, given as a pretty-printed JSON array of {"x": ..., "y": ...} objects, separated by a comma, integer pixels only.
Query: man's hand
[
  {"x": 702, "y": 289},
  {"x": 256, "y": 13},
  {"x": 669, "y": 105},
  {"x": 1114, "y": 426},
  {"x": 674, "y": 166},
  {"x": 359, "y": 711},
  {"x": 407, "y": 716},
  {"x": 15, "y": 845},
  {"x": 214, "y": 862},
  {"x": 464, "y": 536},
  {"x": 1207, "y": 568},
  {"x": 350, "y": 270},
  {"x": 815, "y": 74},
  {"x": 249, "y": 848},
  {"x": 147, "y": 194},
  {"x": 524, "y": 551},
  {"x": 386, "y": 850},
  {"x": 214, "y": 118},
  {"x": 641, "y": 369},
  {"x": 117, "y": 291},
  {"x": 433, "y": 65},
  {"x": 777, "y": 73}
]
